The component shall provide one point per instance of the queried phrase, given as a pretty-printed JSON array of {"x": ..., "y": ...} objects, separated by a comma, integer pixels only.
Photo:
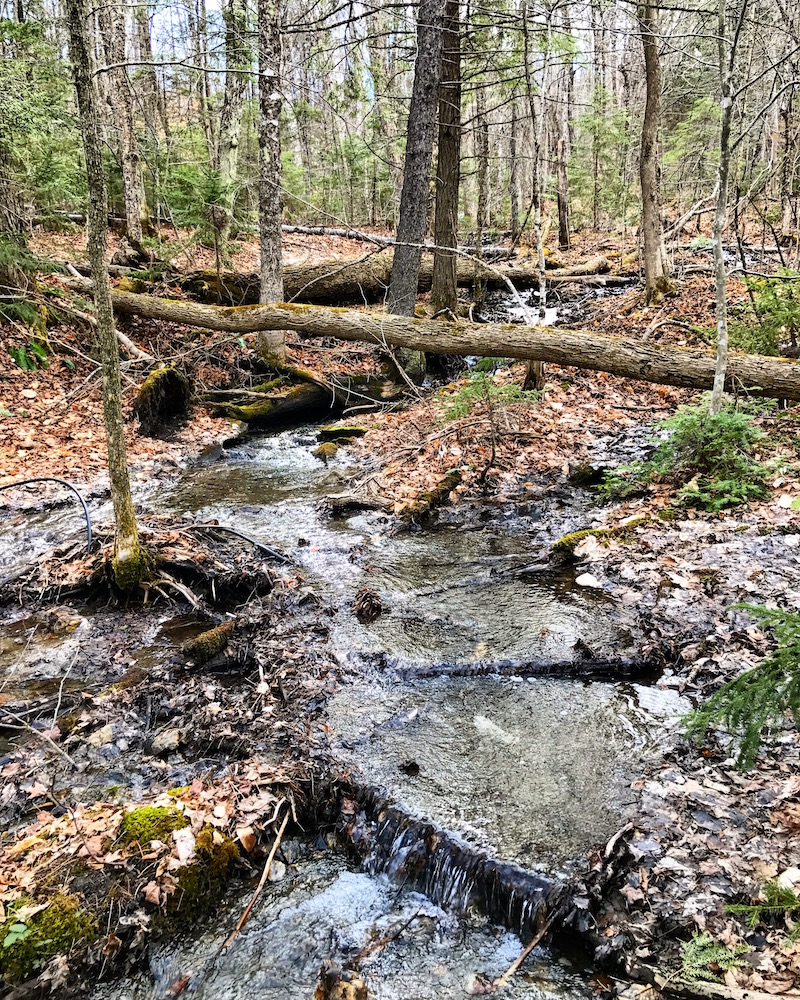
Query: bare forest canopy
[{"x": 551, "y": 98}]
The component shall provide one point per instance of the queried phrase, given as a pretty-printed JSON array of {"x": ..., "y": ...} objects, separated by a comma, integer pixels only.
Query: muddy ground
[{"x": 119, "y": 709}]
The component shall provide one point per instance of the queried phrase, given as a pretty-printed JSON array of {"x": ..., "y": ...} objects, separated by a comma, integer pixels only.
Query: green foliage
[
  {"x": 754, "y": 704},
  {"x": 32, "y": 934},
  {"x": 710, "y": 455},
  {"x": 38, "y": 127},
  {"x": 704, "y": 958},
  {"x": 604, "y": 131},
  {"x": 481, "y": 388},
  {"x": 775, "y": 900},
  {"x": 32, "y": 356},
  {"x": 776, "y": 303},
  {"x": 151, "y": 823}
]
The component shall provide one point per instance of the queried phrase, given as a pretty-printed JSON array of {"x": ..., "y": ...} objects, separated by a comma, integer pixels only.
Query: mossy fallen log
[
  {"x": 423, "y": 507},
  {"x": 205, "y": 646},
  {"x": 366, "y": 280},
  {"x": 305, "y": 399},
  {"x": 777, "y": 378}
]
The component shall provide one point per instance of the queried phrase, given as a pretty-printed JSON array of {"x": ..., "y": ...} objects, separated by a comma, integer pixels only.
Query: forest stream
[{"x": 442, "y": 713}]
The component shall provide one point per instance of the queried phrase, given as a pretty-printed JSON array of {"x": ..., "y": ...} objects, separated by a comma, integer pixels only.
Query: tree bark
[
  {"x": 763, "y": 376},
  {"x": 271, "y": 345},
  {"x": 237, "y": 63},
  {"x": 129, "y": 561},
  {"x": 481, "y": 143},
  {"x": 112, "y": 30},
  {"x": 726, "y": 56},
  {"x": 444, "y": 289},
  {"x": 654, "y": 255},
  {"x": 417, "y": 172}
]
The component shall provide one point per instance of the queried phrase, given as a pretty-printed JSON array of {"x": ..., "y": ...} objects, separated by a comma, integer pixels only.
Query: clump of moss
[
  {"x": 150, "y": 823},
  {"x": 567, "y": 544},
  {"x": 325, "y": 451},
  {"x": 29, "y": 943},
  {"x": 340, "y": 432},
  {"x": 200, "y": 884},
  {"x": 131, "y": 571}
]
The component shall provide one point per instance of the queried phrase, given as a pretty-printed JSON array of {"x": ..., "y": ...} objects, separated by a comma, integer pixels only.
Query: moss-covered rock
[
  {"x": 151, "y": 823},
  {"x": 326, "y": 451},
  {"x": 200, "y": 884},
  {"x": 164, "y": 395},
  {"x": 30, "y": 941}
]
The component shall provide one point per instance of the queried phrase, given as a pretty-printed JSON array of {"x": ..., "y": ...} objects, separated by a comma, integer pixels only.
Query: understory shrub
[
  {"x": 755, "y": 704},
  {"x": 710, "y": 456},
  {"x": 482, "y": 388}
]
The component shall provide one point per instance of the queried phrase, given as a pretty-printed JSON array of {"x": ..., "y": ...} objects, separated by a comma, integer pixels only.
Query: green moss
[
  {"x": 340, "y": 432},
  {"x": 200, "y": 884},
  {"x": 150, "y": 823},
  {"x": 177, "y": 792},
  {"x": 28, "y": 943},
  {"x": 326, "y": 451},
  {"x": 206, "y": 645},
  {"x": 130, "y": 572},
  {"x": 669, "y": 514},
  {"x": 568, "y": 543}
]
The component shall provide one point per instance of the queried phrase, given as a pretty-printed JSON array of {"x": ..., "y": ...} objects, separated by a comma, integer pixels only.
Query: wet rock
[
  {"x": 325, "y": 451},
  {"x": 166, "y": 742}
]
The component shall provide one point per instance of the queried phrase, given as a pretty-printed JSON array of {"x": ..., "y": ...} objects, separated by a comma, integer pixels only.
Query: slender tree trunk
[
  {"x": 534, "y": 376},
  {"x": 271, "y": 345},
  {"x": 444, "y": 293},
  {"x": 112, "y": 30},
  {"x": 726, "y": 57},
  {"x": 129, "y": 560},
  {"x": 237, "y": 64},
  {"x": 513, "y": 174},
  {"x": 481, "y": 141},
  {"x": 655, "y": 271},
  {"x": 416, "y": 177},
  {"x": 198, "y": 29}
]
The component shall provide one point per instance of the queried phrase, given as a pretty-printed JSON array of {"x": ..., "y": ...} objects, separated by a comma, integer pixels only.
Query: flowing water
[{"x": 514, "y": 776}]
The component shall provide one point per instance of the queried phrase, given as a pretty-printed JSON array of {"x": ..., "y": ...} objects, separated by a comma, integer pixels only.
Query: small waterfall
[{"x": 451, "y": 872}]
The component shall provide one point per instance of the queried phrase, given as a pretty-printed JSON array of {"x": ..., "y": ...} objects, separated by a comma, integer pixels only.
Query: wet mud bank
[{"x": 496, "y": 748}]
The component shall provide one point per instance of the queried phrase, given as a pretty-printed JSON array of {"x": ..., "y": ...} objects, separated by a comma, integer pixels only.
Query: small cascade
[{"x": 451, "y": 872}]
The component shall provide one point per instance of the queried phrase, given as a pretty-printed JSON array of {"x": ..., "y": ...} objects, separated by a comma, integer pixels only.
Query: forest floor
[{"x": 706, "y": 834}]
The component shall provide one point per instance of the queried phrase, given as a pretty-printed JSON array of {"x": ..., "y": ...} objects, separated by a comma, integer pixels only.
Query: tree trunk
[
  {"x": 271, "y": 345},
  {"x": 129, "y": 560},
  {"x": 444, "y": 293},
  {"x": 773, "y": 377},
  {"x": 112, "y": 30},
  {"x": 513, "y": 174},
  {"x": 654, "y": 255},
  {"x": 417, "y": 172},
  {"x": 726, "y": 57},
  {"x": 481, "y": 141},
  {"x": 237, "y": 64}
]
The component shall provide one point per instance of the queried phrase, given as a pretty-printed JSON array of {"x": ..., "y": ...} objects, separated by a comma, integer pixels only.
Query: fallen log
[
  {"x": 689, "y": 368},
  {"x": 366, "y": 280}
]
